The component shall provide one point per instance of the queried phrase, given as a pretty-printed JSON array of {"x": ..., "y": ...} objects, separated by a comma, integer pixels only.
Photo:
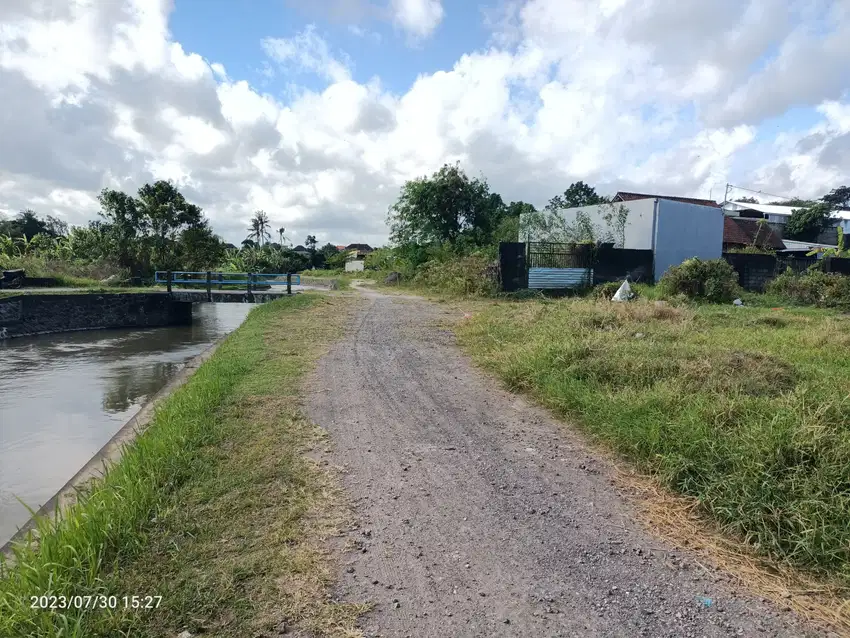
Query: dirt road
[{"x": 482, "y": 516}]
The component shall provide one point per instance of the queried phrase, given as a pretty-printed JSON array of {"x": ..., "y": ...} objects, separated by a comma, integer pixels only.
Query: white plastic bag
[{"x": 624, "y": 293}]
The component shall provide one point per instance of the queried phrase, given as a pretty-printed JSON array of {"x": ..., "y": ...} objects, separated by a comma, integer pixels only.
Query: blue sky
[{"x": 210, "y": 28}]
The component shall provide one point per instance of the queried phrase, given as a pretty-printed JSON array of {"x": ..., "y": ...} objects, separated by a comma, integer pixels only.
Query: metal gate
[
  {"x": 513, "y": 266},
  {"x": 558, "y": 266}
]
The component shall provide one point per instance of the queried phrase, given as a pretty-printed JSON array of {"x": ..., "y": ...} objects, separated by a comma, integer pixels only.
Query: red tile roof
[
  {"x": 741, "y": 232},
  {"x": 625, "y": 196}
]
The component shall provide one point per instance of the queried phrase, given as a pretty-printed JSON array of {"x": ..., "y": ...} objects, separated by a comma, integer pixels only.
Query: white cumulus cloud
[
  {"x": 651, "y": 95},
  {"x": 419, "y": 18}
]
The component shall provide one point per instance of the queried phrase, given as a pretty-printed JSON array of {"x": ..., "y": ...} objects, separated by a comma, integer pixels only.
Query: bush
[
  {"x": 816, "y": 288},
  {"x": 471, "y": 275},
  {"x": 68, "y": 270},
  {"x": 713, "y": 280}
]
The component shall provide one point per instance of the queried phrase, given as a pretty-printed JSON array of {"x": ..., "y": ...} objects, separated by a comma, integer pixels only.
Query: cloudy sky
[{"x": 317, "y": 115}]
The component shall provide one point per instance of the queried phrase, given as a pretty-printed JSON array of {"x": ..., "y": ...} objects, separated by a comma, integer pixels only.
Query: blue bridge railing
[{"x": 218, "y": 280}]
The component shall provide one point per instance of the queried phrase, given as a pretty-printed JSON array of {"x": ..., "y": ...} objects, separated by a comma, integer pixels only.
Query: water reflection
[
  {"x": 62, "y": 397},
  {"x": 130, "y": 385}
]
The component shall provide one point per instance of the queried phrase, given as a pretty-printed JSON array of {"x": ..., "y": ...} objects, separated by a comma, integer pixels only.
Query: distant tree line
[{"x": 157, "y": 229}]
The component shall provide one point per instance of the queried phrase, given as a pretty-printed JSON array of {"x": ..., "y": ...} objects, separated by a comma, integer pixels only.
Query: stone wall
[{"x": 42, "y": 314}]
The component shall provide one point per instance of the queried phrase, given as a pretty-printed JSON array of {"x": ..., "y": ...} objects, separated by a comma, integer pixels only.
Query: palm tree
[
  {"x": 280, "y": 232},
  {"x": 259, "y": 228}
]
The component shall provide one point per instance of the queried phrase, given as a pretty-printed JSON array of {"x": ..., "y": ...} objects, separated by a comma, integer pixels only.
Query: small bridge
[{"x": 227, "y": 287}]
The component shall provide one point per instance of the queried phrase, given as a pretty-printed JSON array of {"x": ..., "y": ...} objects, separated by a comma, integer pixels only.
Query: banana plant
[
  {"x": 837, "y": 251},
  {"x": 7, "y": 246}
]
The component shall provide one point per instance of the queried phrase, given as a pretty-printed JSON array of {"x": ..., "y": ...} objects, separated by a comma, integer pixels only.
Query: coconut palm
[
  {"x": 281, "y": 236},
  {"x": 259, "y": 228}
]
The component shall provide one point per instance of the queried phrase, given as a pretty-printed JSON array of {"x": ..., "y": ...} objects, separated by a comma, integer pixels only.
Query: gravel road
[{"x": 480, "y": 515}]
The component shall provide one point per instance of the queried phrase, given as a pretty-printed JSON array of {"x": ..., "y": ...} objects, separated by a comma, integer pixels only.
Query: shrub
[
  {"x": 471, "y": 275},
  {"x": 816, "y": 288},
  {"x": 38, "y": 266},
  {"x": 713, "y": 280}
]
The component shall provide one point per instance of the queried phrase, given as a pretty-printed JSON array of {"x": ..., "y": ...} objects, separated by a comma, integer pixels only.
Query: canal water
[{"x": 63, "y": 396}]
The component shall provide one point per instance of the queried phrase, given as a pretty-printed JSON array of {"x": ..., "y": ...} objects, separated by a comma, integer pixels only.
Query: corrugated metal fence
[{"x": 559, "y": 278}]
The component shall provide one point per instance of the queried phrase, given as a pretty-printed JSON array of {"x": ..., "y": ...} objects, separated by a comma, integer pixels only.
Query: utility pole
[{"x": 726, "y": 194}]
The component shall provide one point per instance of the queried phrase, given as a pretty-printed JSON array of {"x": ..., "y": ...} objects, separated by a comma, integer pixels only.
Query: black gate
[
  {"x": 560, "y": 255},
  {"x": 513, "y": 266}
]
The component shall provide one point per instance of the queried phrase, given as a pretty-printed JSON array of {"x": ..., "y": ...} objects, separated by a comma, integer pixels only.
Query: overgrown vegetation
[
  {"x": 199, "y": 511},
  {"x": 712, "y": 280},
  {"x": 470, "y": 275},
  {"x": 807, "y": 221},
  {"x": 814, "y": 287},
  {"x": 136, "y": 236},
  {"x": 743, "y": 408}
]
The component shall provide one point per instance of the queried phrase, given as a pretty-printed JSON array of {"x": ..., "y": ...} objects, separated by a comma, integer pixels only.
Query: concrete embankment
[{"x": 25, "y": 315}]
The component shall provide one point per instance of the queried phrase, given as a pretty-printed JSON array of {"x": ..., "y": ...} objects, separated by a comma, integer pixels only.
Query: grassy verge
[
  {"x": 216, "y": 507},
  {"x": 744, "y": 409},
  {"x": 325, "y": 277}
]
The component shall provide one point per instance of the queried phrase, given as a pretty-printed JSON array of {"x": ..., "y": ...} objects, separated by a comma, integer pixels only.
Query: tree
[
  {"x": 337, "y": 260},
  {"x": 805, "y": 224},
  {"x": 259, "y": 228},
  {"x": 200, "y": 248},
  {"x": 148, "y": 231},
  {"x": 329, "y": 250},
  {"x": 123, "y": 224},
  {"x": 444, "y": 208},
  {"x": 508, "y": 229},
  {"x": 578, "y": 194},
  {"x": 515, "y": 209},
  {"x": 747, "y": 200},
  {"x": 166, "y": 214},
  {"x": 838, "y": 198},
  {"x": 281, "y": 236},
  {"x": 310, "y": 243},
  {"x": 28, "y": 224}
]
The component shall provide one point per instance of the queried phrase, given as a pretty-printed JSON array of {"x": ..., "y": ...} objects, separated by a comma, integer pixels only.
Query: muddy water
[{"x": 62, "y": 397}]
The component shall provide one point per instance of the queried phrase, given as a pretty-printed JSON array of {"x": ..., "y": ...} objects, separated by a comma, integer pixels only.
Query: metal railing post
[
  {"x": 220, "y": 281},
  {"x": 249, "y": 282},
  {"x": 209, "y": 286},
  {"x": 168, "y": 281},
  {"x": 289, "y": 283}
]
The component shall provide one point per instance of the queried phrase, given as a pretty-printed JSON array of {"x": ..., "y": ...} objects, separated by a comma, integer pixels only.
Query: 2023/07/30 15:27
[{"x": 95, "y": 602}]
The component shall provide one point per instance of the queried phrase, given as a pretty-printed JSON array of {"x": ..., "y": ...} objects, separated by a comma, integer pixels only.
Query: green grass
[
  {"x": 215, "y": 507},
  {"x": 745, "y": 409},
  {"x": 325, "y": 277}
]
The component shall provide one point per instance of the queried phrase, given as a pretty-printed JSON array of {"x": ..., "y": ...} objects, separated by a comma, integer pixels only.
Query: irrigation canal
[{"x": 63, "y": 396}]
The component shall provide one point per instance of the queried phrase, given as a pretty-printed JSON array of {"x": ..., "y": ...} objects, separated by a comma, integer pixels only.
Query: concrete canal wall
[{"x": 25, "y": 315}]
